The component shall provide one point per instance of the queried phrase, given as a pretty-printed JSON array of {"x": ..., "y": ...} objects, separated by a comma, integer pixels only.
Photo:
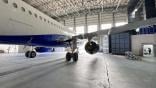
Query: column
[
  {"x": 64, "y": 22},
  {"x": 99, "y": 21},
  {"x": 100, "y": 38},
  {"x": 113, "y": 19},
  {"x": 86, "y": 25},
  {"x": 144, "y": 11},
  {"x": 74, "y": 26},
  {"x": 113, "y": 22}
]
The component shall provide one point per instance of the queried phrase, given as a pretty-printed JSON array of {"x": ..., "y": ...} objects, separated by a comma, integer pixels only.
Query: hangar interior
[
  {"x": 90, "y": 16},
  {"x": 125, "y": 59}
]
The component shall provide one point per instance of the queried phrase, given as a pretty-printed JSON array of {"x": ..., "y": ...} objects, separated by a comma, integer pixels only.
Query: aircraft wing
[
  {"x": 127, "y": 27},
  {"x": 134, "y": 25}
]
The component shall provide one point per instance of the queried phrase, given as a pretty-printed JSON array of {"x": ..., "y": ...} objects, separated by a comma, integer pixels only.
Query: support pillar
[
  {"x": 86, "y": 25},
  {"x": 99, "y": 21},
  {"x": 64, "y": 22},
  {"x": 74, "y": 26},
  {"x": 100, "y": 38},
  {"x": 144, "y": 11},
  {"x": 113, "y": 19},
  {"x": 113, "y": 22}
]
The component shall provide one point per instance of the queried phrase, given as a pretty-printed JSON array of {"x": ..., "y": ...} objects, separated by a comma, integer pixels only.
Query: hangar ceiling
[{"x": 63, "y": 9}]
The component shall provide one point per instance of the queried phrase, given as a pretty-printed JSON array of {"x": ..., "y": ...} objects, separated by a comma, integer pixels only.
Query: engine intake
[{"x": 91, "y": 47}]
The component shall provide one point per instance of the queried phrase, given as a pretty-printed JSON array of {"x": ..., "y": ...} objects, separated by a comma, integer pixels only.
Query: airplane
[{"x": 22, "y": 24}]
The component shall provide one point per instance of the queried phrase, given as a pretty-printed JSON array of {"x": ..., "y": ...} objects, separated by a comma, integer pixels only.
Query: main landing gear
[
  {"x": 30, "y": 54},
  {"x": 73, "y": 51},
  {"x": 73, "y": 56}
]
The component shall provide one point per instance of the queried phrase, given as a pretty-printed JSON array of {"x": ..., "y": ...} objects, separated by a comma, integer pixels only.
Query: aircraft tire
[
  {"x": 75, "y": 57},
  {"x": 27, "y": 54},
  {"x": 32, "y": 54},
  {"x": 68, "y": 57}
]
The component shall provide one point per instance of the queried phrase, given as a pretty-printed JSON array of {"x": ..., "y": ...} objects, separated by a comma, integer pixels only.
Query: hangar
[{"x": 77, "y": 43}]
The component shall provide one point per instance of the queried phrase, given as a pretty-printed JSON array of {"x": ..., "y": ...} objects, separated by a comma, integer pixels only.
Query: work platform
[{"x": 91, "y": 71}]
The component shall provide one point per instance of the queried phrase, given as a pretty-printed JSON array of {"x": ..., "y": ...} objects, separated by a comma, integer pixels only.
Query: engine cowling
[
  {"x": 43, "y": 49},
  {"x": 91, "y": 47}
]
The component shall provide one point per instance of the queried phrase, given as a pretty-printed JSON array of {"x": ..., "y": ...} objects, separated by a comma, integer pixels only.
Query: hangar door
[{"x": 120, "y": 43}]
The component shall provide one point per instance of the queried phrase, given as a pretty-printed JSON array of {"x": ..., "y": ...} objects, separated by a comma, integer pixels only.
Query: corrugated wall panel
[
  {"x": 80, "y": 21},
  {"x": 121, "y": 18},
  {"x": 120, "y": 43},
  {"x": 93, "y": 20},
  {"x": 70, "y": 23},
  {"x": 106, "y": 18}
]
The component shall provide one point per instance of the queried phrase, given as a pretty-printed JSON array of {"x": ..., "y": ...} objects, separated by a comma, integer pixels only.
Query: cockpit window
[
  {"x": 5, "y": 1},
  {"x": 40, "y": 17},
  {"x": 23, "y": 9},
  {"x": 30, "y": 12},
  {"x": 45, "y": 20},
  {"x": 15, "y": 5},
  {"x": 35, "y": 15}
]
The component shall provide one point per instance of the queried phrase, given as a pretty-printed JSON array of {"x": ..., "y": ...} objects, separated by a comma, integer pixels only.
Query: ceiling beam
[{"x": 121, "y": 9}]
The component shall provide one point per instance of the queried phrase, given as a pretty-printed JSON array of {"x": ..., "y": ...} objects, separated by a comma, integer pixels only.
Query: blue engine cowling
[{"x": 44, "y": 49}]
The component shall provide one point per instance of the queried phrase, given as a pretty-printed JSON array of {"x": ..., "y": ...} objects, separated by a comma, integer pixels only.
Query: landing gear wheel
[
  {"x": 27, "y": 54},
  {"x": 68, "y": 57},
  {"x": 30, "y": 54},
  {"x": 75, "y": 57}
]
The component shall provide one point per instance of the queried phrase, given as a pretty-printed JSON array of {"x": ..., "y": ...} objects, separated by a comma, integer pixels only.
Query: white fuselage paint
[{"x": 15, "y": 21}]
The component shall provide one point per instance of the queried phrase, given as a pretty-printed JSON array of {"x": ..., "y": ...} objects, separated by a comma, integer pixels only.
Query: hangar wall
[
  {"x": 4, "y": 48},
  {"x": 93, "y": 20},
  {"x": 138, "y": 40}
]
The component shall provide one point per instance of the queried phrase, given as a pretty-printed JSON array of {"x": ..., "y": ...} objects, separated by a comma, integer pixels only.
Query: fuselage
[{"x": 22, "y": 24}]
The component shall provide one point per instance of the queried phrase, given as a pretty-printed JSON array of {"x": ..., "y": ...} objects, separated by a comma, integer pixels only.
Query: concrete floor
[
  {"x": 91, "y": 71},
  {"x": 125, "y": 73}
]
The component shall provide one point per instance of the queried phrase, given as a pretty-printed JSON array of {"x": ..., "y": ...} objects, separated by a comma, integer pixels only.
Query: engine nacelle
[
  {"x": 43, "y": 49},
  {"x": 91, "y": 47}
]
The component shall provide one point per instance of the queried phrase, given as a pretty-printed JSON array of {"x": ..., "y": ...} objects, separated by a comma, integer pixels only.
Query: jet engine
[{"x": 91, "y": 47}]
